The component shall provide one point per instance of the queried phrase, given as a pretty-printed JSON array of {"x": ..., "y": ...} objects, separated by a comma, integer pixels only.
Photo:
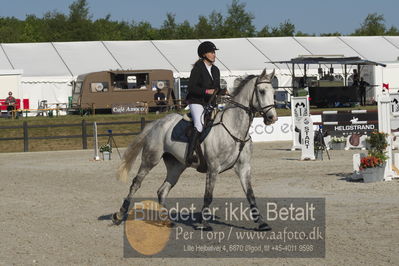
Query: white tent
[
  {"x": 85, "y": 57},
  {"x": 4, "y": 62},
  {"x": 181, "y": 54},
  {"x": 373, "y": 48},
  {"x": 137, "y": 55},
  {"x": 10, "y": 81},
  {"x": 394, "y": 40},
  {"x": 49, "y": 68},
  {"x": 36, "y": 59}
]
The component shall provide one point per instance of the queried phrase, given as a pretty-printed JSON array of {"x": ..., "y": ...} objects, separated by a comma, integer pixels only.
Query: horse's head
[{"x": 263, "y": 98}]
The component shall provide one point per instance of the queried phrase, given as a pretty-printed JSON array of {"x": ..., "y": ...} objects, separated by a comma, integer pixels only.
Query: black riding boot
[{"x": 191, "y": 147}]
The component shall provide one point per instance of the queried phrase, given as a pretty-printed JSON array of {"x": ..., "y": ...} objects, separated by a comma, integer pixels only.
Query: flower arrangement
[
  {"x": 318, "y": 146},
  {"x": 335, "y": 139},
  {"x": 106, "y": 148},
  {"x": 377, "y": 154},
  {"x": 370, "y": 162}
]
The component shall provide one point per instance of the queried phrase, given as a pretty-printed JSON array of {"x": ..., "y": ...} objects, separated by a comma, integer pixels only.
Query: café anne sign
[{"x": 129, "y": 109}]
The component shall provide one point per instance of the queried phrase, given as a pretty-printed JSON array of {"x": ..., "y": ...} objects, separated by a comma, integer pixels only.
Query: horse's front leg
[
  {"x": 243, "y": 170},
  {"x": 208, "y": 197}
]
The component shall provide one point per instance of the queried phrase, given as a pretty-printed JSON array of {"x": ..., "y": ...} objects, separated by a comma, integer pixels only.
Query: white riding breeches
[{"x": 197, "y": 113}]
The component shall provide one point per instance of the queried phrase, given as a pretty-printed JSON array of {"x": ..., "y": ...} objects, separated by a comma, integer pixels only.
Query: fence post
[
  {"x": 142, "y": 123},
  {"x": 26, "y": 137},
  {"x": 84, "y": 135}
]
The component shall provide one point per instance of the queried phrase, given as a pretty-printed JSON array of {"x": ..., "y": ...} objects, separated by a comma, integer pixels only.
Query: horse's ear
[
  {"x": 263, "y": 75},
  {"x": 271, "y": 75}
]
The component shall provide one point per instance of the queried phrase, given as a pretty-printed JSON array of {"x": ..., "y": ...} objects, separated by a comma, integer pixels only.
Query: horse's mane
[{"x": 242, "y": 84}]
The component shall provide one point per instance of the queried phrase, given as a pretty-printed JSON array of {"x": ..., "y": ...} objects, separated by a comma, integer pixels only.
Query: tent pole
[{"x": 293, "y": 78}]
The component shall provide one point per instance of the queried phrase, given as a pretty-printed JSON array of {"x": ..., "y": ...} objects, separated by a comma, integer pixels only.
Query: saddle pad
[{"x": 179, "y": 131}]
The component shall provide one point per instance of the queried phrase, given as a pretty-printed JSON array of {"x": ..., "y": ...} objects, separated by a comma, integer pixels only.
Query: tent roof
[
  {"x": 375, "y": 48},
  {"x": 334, "y": 60},
  {"x": 235, "y": 57},
  {"x": 279, "y": 48},
  {"x": 36, "y": 59},
  {"x": 326, "y": 46},
  {"x": 84, "y": 57},
  {"x": 181, "y": 54},
  {"x": 4, "y": 63},
  {"x": 137, "y": 55},
  {"x": 394, "y": 40},
  {"x": 241, "y": 56}
]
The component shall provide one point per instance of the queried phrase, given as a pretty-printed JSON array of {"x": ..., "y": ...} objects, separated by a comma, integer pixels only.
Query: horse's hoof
[
  {"x": 264, "y": 227},
  {"x": 115, "y": 219}
]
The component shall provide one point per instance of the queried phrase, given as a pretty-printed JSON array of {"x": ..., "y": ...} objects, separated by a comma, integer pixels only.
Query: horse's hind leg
[
  {"x": 174, "y": 170},
  {"x": 149, "y": 161}
]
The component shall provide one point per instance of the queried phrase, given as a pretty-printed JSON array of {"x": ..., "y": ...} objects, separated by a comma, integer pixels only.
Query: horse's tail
[{"x": 130, "y": 155}]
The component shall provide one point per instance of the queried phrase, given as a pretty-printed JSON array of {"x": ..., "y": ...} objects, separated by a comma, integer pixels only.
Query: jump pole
[
  {"x": 384, "y": 125},
  {"x": 96, "y": 157}
]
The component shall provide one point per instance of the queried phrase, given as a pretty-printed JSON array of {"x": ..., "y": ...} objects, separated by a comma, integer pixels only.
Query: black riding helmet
[{"x": 206, "y": 47}]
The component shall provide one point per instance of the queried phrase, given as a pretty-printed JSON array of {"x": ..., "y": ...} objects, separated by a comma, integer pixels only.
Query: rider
[{"x": 203, "y": 83}]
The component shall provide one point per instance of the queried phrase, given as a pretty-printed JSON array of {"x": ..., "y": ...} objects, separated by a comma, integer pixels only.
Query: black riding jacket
[{"x": 200, "y": 81}]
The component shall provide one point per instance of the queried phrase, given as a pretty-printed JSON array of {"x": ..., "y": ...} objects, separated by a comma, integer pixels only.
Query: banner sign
[
  {"x": 282, "y": 130},
  {"x": 346, "y": 123},
  {"x": 299, "y": 109},
  {"x": 307, "y": 139}
]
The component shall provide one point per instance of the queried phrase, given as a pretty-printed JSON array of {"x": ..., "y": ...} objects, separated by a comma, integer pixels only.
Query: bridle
[
  {"x": 251, "y": 111},
  {"x": 260, "y": 109}
]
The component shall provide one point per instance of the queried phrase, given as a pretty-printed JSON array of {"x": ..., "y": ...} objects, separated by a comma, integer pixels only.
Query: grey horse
[{"x": 228, "y": 145}]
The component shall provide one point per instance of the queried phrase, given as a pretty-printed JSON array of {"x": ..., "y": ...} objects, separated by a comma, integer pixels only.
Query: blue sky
[{"x": 310, "y": 16}]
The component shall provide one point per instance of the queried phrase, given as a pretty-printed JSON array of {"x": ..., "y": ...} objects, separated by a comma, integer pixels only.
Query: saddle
[{"x": 183, "y": 131}]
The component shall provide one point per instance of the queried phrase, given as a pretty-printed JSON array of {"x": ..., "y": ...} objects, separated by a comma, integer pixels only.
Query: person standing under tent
[
  {"x": 11, "y": 104},
  {"x": 362, "y": 90}
]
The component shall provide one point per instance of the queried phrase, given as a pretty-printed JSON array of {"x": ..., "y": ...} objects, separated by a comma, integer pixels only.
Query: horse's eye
[{"x": 262, "y": 92}]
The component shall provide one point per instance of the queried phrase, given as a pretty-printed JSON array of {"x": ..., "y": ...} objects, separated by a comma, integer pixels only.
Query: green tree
[
  {"x": 303, "y": 34},
  {"x": 203, "y": 30},
  {"x": 79, "y": 10},
  {"x": 331, "y": 34},
  {"x": 11, "y": 29},
  {"x": 372, "y": 25},
  {"x": 143, "y": 31},
  {"x": 264, "y": 32},
  {"x": 168, "y": 29},
  {"x": 106, "y": 29},
  {"x": 55, "y": 27},
  {"x": 284, "y": 29},
  {"x": 238, "y": 23},
  {"x": 33, "y": 30},
  {"x": 185, "y": 31},
  {"x": 216, "y": 22},
  {"x": 393, "y": 31},
  {"x": 80, "y": 26}
]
